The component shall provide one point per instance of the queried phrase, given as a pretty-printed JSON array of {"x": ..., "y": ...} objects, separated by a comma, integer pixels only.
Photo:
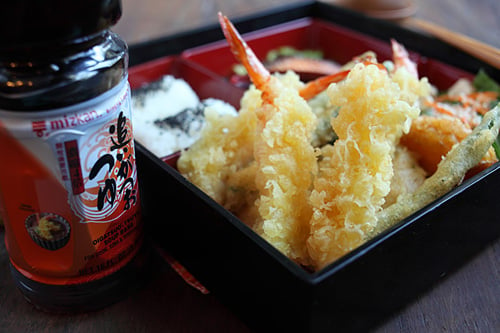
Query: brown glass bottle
[{"x": 70, "y": 197}]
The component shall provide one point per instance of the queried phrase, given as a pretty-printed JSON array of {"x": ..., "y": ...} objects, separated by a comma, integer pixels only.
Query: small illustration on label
[{"x": 48, "y": 230}]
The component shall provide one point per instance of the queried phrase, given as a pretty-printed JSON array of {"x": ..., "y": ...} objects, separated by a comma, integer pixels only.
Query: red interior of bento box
[
  {"x": 337, "y": 43},
  {"x": 204, "y": 82},
  {"x": 208, "y": 68}
]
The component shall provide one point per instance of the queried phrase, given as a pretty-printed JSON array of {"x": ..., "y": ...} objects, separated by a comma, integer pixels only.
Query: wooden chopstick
[{"x": 480, "y": 50}]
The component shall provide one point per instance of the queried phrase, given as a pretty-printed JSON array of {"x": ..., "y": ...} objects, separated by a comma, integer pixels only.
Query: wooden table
[{"x": 466, "y": 301}]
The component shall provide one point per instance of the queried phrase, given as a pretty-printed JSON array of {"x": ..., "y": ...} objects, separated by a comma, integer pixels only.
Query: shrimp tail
[
  {"x": 401, "y": 58},
  {"x": 313, "y": 88},
  {"x": 256, "y": 70}
]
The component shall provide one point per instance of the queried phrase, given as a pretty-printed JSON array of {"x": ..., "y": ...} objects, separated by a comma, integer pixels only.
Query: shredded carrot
[
  {"x": 479, "y": 102},
  {"x": 435, "y": 105}
]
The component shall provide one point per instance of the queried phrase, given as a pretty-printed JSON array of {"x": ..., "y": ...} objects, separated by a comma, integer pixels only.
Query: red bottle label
[{"x": 69, "y": 190}]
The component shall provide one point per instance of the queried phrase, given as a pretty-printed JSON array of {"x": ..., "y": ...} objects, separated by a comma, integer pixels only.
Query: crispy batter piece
[
  {"x": 224, "y": 148},
  {"x": 355, "y": 177},
  {"x": 408, "y": 175}
]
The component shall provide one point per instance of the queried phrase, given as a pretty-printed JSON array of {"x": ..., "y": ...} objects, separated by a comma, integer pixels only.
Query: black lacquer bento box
[{"x": 264, "y": 288}]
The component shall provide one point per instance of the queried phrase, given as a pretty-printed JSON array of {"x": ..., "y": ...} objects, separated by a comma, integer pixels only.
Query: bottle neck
[
  {"x": 50, "y": 50},
  {"x": 35, "y": 22},
  {"x": 56, "y": 75}
]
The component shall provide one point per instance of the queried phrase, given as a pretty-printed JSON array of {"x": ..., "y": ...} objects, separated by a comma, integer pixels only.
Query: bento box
[{"x": 264, "y": 288}]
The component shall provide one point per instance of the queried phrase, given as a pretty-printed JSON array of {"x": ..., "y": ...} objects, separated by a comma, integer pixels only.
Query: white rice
[{"x": 167, "y": 115}]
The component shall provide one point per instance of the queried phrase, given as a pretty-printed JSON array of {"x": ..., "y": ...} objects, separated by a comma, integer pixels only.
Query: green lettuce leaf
[{"x": 483, "y": 82}]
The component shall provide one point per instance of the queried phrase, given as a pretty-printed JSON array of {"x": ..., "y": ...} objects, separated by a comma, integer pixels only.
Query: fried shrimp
[
  {"x": 356, "y": 176},
  {"x": 285, "y": 159},
  {"x": 286, "y": 167}
]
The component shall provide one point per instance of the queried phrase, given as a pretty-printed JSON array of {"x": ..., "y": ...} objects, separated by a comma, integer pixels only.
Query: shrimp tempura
[
  {"x": 284, "y": 160},
  {"x": 355, "y": 174},
  {"x": 286, "y": 167}
]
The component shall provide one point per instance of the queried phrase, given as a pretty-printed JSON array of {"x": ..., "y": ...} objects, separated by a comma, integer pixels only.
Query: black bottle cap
[{"x": 25, "y": 23}]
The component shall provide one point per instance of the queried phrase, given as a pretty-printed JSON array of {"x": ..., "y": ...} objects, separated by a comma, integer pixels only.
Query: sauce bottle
[{"x": 68, "y": 180}]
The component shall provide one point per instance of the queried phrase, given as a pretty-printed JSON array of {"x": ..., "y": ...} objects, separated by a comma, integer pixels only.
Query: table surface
[{"x": 466, "y": 301}]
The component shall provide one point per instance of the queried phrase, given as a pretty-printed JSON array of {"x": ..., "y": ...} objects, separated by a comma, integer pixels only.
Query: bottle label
[{"x": 69, "y": 191}]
